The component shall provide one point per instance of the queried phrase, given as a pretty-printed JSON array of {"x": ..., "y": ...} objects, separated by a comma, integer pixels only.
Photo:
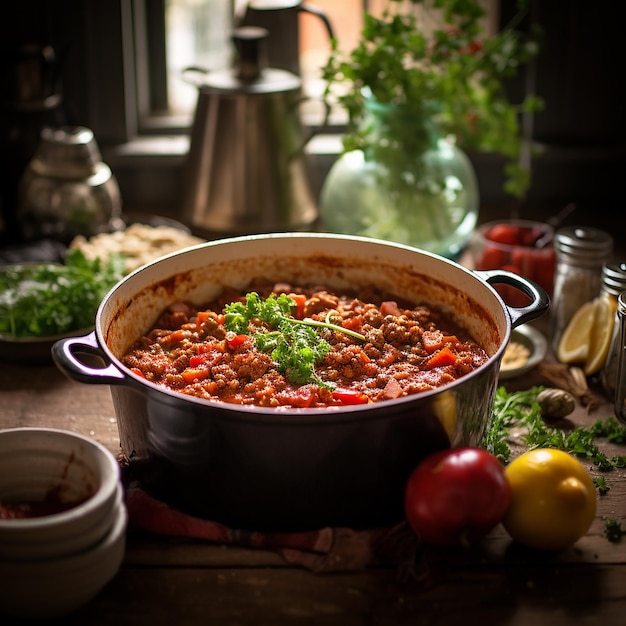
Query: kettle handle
[{"x": 317, "y": 12}]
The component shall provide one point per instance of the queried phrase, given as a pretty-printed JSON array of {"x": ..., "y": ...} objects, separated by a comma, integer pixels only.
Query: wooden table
[{"x": 179, "y": 581}]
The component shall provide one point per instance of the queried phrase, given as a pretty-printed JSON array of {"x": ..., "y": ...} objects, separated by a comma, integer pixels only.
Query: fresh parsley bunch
[
  {"x": 50, "y": 299},
  {"x": 295, "y": 345}
]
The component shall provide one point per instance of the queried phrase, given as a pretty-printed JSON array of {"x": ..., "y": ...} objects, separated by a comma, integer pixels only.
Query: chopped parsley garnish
[
  {"x": 601, "y": 486},
  {"x": 295, "y": 345},
  {"x": 49, "y": 299},
  {"x": 520, "y": 409},
  {"x": 613, "y": 530}
]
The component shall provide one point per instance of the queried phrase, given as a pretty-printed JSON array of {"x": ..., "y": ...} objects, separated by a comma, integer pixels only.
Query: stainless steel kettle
[{"x": 247, "y": 170}]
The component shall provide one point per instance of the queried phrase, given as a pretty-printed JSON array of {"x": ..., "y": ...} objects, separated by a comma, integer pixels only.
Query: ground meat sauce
[{"x": 407, "y": 349}]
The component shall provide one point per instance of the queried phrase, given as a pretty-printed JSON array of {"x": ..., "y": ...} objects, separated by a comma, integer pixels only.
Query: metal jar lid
[
  {"x": 614, "y": 278},
  {"x": 583, "y": 245},
  {"x": 69, "y": 152}
]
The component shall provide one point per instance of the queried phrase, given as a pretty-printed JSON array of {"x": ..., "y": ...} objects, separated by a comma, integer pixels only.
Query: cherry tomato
[{"x": 456, "y": 496}]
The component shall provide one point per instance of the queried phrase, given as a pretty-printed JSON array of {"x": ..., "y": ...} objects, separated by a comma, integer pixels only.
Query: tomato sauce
[{"x": 397, "y": 349}]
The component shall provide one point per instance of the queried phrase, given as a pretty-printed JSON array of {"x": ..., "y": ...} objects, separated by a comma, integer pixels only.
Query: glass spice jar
[
  {"x": 581, "y": 252},
  {"x": 613, "y": 284}
]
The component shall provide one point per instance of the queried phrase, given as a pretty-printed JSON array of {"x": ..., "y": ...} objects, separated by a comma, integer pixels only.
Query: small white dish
[
  {"x": 70, "y": 539},
  {"x": 534, "y": 342}
]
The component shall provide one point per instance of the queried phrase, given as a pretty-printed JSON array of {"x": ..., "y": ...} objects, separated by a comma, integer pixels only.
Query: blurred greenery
[{"x": 432, "y": 57}]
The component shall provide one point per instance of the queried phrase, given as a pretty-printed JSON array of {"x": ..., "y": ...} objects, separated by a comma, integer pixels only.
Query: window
[
  {"x": 141, "y": 108},
  {"x": 171, "y": 35},
  {"x": 178, "y": 34}
]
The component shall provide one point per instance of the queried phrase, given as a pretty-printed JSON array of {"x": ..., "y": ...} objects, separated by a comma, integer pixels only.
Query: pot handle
[
  {"x": 65, "y": 355},
  {"x": 540, "y": 300}
]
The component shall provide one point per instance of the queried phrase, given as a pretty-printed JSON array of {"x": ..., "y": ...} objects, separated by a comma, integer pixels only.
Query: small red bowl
[{"x": 523, "y": 247}]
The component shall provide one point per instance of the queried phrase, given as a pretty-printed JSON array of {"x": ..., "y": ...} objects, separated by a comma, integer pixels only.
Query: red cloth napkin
[{"x": 323, "y": 550}]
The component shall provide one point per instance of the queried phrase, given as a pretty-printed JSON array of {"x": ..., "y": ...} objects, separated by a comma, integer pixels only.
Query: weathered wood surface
[{"x": 166, "y": 581}]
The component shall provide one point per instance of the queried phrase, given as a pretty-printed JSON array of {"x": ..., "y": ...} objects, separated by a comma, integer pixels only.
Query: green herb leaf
[
  {"x": 520, "y": 409},
  {"x": 613, "y": 530},
  {"x": 601, "y": 486},
  {"x": 295, "y": 345},
  {"x": 49, "y": 299}
]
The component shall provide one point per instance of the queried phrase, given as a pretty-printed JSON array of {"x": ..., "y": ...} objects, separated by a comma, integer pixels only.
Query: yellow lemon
[
  {"x": 553, "y": 500},
  {"x": 587, "y": 337}
]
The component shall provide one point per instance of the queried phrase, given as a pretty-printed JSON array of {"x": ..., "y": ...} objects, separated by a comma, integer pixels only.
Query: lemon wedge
[
  {"x": 601, "y": 334},
  {"x": 587, "y": 337},
  {"x": 574, "y": 343}
]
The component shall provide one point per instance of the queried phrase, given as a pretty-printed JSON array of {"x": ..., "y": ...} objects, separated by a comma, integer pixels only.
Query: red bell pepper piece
[
  {"x": 349, "y": 396},
  {"x": 235, "y": 341}
]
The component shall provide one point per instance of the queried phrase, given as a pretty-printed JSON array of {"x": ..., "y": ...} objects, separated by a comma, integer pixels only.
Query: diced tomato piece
[
  {"x": 392, "y": 389},
  {"x": 353, "y": 323},
  {"x": 235, "y": 341},
  {"x": 300, "y": 300},
  {"x": 137, "y": 371},
  {"x": 301, "y": 397},
  {"x": 349, "y": 396},
  {"x": 221, "y": 318},
  {"x": 364, "y": 358},
  {"x": 444, "y": 357},
  {"x": 390, "y": 307},
  {"x": 432, "y": 340},
  {"x": 175, "y": 336},
  {"x": 196, "y": 360},
  {"x": 202, "y": 317},
  {"x": 193, "y": 374}
]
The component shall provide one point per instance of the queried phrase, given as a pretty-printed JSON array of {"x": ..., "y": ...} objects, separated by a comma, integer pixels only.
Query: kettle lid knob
[{"x": 250, "y": 43}]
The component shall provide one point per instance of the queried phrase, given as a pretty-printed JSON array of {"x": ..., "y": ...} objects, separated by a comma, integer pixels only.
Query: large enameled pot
[{"x": 293, "y": 469}]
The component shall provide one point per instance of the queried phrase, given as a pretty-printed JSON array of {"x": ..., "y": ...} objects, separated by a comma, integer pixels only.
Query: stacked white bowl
[{"x": 52, "y": 564}]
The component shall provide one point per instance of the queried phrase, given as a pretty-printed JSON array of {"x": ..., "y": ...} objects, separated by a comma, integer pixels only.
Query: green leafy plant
[
  {"x": 431, "y": 58},
  {"x": 48, "y": 299}
]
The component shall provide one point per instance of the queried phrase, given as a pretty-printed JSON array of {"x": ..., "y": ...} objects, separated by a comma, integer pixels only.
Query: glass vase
[{"x": 408, "y": 184}]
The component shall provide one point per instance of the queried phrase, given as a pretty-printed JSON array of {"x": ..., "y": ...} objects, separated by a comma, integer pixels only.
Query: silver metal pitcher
[
  {"x": 247, "y": 171},
  {"x": 66, "y": 189}
]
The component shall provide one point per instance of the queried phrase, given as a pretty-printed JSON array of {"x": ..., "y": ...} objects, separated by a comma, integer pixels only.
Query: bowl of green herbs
[{"x": 41, "y": 303}]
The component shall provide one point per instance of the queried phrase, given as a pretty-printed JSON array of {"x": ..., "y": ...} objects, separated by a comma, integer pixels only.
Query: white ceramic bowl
[
  {"x": 52, "y": 588},
  {"x": 51, "y": 564}
]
